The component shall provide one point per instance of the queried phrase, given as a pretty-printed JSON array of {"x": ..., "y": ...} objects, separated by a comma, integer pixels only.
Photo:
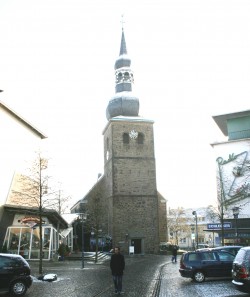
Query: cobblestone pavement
[
  {"x": 173, "y": 285},
  {"x": 141, "y": 278}
]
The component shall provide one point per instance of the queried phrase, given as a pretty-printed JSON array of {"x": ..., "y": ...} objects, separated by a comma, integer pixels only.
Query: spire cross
[{"x": 122, "y": 21}]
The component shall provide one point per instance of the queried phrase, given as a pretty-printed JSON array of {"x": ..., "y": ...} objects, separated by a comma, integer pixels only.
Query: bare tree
[
  {"x": 177, "y": 222},
  {"x": 33, "y": 190},
  {"x": 57, "y": 201}
]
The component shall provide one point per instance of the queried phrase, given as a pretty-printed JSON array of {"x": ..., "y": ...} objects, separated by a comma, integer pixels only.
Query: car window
[
  {"x": 208, "y": 256},
  {"x": 231, "y": 250},
  {"x": 240, "y": 256},
  {"x": 8, "y": 262},
  {"x": 193, "y": 257},
  {"x": 224, "y": 256},
  {"x": 247, "y": 259}
]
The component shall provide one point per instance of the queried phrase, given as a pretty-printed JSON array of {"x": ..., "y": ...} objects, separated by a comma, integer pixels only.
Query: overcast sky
[{"x": 191, "y": 60}]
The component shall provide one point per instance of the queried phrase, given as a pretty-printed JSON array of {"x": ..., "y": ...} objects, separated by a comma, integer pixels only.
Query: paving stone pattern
[{"x": 140, "y": 278}]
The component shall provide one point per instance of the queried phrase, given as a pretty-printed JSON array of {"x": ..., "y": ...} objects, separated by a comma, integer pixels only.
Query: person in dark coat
[
  {"x": 117, "y": 265},
  {"x": 174, "y": 253}
]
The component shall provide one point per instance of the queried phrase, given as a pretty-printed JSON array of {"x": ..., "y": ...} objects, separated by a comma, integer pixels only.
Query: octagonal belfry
[{"x": 124, "y": 102}]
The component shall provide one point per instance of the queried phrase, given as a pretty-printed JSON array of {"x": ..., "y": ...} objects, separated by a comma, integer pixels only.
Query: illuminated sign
[{"x": 217, "y": 226}]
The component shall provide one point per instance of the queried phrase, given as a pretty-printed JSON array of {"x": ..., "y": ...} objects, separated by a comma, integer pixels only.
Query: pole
[
  {"x": 192, "y": 237},
  {"x": 196, "y": 231},
  {"x": 82, "y": 244},
  {"x": 236, "y": 231},
  {"x": 194, "y": 213},
  {"x": 40, "y": 218},
  {"x": 222, "y": 225},
  {"x": 236, "y": 214}
]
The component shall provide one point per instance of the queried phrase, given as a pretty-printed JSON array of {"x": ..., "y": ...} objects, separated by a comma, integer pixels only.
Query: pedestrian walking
[
  {"x": 117, "y": 265},
  {"x": 174, "y": 253}
]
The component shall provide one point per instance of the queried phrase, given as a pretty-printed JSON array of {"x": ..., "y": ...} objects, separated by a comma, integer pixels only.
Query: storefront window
[
  {"x": 55, "y": 243},
  {"x": 25, "y": 242},
  {"x": 6, "y": 240},
  {"x": 35, "y": 244},
  {"x": 46, "y": 243},
  {"x": 14, "y": 240}
]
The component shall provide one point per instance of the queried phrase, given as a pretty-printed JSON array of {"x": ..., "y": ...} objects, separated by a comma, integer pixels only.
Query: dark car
[
  {"x": 198, "y": 265},
  {"x": 232, "y": 249},
  {"x": 241, "y": 270},
  {"x": 14, "y": 275}
]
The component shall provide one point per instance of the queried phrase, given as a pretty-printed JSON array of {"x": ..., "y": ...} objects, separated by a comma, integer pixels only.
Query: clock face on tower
[{"x": 133, "y": 134}]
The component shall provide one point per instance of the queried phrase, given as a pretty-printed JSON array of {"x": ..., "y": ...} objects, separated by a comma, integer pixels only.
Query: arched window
[
  {"x": 125, "y": 138},
  {"x": 140, "y": 138},
  {"x": 126, "y": 76}
]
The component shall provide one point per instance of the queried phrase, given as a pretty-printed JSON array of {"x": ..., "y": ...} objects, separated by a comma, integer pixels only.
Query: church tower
[{"x": 134, "y": 212}]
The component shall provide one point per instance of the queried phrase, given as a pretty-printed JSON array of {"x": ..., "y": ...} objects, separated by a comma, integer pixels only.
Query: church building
[{"x": 134, "y": 211}]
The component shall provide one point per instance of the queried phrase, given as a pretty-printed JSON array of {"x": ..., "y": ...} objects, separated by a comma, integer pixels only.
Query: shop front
[
  {"x": 23, "y": 236},
  {"x": 233, "y": 233}
]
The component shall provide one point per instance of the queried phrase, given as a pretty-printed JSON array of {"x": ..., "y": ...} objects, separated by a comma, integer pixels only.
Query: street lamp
[
  {"x": 196, "y": 228},
  {"x": 236, "y": 211},
  {"x": 192, "y": 235},
  {"x": 82, "y": 217}
]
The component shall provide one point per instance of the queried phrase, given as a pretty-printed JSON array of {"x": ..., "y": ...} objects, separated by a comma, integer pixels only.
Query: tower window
[
  {"x": 140, "y": 138},
  {"x": 125, "y": 138},
  {"x": 119, "y": 77},
  {"x": 126, "y": 76}
]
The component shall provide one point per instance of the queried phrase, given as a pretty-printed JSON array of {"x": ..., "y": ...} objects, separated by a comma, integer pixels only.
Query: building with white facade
[
  {"x": 233, "y": 174},
  {"x": 19, "y": 218}
]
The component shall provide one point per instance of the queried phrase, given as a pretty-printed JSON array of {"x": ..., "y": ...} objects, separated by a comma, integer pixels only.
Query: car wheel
[
  {"x": 199, "y": 277},
  {"x": 18, "y": 288}
]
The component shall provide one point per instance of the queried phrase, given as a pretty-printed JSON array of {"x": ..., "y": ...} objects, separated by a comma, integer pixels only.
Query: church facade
[{"x": 134, "y": 211}]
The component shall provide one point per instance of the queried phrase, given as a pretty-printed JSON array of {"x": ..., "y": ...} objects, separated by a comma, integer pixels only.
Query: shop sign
[
  {"x": 217, "y": 226},
  {"x": 31, "y": 221}
]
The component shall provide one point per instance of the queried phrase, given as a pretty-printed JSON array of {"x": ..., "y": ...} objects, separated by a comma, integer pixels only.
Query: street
[{"x": 149, "y": 276}]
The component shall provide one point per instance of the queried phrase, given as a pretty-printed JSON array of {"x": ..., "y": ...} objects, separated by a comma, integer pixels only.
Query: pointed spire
[
  {"x": 123, "y": 48},
  {"x": 124, "y": 103}
]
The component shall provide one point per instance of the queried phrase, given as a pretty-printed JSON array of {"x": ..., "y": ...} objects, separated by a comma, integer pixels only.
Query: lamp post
[
  {"x": 236, "y": 211},
  {"x": 196, "y": 227},
  {"x": 192, "y": 235},
  {"x": 83, "y": 217}
]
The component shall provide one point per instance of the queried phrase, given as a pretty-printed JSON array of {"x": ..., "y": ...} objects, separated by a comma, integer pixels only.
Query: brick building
[{"x": 135, "y": 212}]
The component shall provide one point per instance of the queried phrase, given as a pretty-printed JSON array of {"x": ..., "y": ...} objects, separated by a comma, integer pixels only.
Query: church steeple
[
  {"x": 123, "y": 48},
  {"x": 124, "y": 103}
]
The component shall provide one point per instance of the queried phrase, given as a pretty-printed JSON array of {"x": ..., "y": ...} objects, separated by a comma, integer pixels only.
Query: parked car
[
  {"x": 14, "y": 275},
  {"x": 198, "y": 265},
  {"x": 233, "y": 249},
  {"x": 203, "y": 246},
  {"x": 241, "y": 270}
]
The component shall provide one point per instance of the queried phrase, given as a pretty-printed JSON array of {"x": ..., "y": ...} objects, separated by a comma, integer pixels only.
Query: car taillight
[
  {"x": 182, "y": 265},
  {"x": 243, "y": 272}
]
